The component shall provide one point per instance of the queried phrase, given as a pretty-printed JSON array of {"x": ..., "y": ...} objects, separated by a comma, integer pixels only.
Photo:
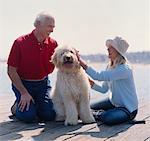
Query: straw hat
[{"x": 119, "y": 44}]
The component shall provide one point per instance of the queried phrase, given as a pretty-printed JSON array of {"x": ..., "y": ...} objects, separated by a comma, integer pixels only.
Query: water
[
  {"x": 5, "y": 83},
  {"x": 141, "y": 77}
]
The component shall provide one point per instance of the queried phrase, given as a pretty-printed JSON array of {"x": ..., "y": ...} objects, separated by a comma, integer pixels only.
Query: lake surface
[{"x": 141, "y": 78}]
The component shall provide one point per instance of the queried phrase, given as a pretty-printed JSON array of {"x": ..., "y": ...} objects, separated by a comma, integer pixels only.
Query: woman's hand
[
  {"x": 91, "y": 82},
  {"x": 82, "y": 62}
]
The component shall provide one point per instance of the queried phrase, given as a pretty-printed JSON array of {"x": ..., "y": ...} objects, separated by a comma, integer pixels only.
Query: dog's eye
[
  {"x": 62, "y": 53},
  {"x": 72, "y": 51}
]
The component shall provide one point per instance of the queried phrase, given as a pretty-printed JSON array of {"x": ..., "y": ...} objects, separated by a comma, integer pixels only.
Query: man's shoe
[{"x": 13, "y": 108}]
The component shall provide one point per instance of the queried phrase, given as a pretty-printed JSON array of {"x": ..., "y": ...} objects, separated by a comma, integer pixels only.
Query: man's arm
[
  {"x": 25, "y": 96},
  {"x": 12, "y": 72}
]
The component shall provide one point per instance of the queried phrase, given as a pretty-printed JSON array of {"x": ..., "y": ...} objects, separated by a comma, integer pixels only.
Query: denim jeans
[
  {"x": 112, "y": 115},
  {"x": 42, "y": 108}
]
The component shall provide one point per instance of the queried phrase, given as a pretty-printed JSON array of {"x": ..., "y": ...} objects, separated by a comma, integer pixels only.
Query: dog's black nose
[{"x": 67, "y": 58}]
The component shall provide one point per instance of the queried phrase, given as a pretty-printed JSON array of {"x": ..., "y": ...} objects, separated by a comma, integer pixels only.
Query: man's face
[{"x": 46, "y": 27}]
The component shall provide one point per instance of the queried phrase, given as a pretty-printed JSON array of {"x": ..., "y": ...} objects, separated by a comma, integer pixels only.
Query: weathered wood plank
[
  {"x": 138, "y": 132},
  {"x": 66, "y": 132},
  {"x": 15, "y": 130},
  {"x": 106, "y": 132},
  {"x": 29, "y": 131}
]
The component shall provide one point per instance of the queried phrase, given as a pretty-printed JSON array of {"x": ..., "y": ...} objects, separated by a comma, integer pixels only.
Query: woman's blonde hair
[{"x": 118, "y": 61}]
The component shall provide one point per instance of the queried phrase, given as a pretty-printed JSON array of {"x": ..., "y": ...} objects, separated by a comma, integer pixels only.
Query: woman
[{"x": 122, "y": 104}]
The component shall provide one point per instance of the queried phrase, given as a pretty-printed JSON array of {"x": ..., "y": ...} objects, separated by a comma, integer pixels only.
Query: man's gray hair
[{"x": 41, "y": 17}]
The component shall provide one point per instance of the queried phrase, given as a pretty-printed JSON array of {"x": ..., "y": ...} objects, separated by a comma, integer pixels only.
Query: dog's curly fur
[{"x": 71, "y": 92}]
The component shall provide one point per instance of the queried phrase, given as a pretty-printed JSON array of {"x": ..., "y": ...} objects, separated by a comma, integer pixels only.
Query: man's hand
[{"x": 25, "y": 100}]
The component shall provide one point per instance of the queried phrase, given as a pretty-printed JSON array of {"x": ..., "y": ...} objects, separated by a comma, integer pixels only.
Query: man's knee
[
  {"x": 47, "y": 115},
  {"x": 46, "y": 111},
  {"x": 26, "y": 116}
]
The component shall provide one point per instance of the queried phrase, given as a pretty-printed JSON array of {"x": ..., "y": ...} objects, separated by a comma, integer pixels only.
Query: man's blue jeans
[
  {"x": 112, "y": 115},
  {"x": 43, "y": 106}
]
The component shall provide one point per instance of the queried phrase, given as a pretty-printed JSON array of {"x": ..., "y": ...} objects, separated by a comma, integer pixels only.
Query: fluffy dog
[{"x": 71, "y": 92}]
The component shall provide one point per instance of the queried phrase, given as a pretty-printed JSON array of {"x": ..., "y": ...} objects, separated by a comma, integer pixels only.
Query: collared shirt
[{"x": 31, "y": 58}]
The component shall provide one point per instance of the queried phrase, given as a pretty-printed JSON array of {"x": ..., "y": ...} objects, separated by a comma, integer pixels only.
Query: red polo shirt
[{"x": 31, "y": 58}]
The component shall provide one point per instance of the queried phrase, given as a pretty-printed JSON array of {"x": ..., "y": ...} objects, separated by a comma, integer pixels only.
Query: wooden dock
[{"x": 14, "y": 130}]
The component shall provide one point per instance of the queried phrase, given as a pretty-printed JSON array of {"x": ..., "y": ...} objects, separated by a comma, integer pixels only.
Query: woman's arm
[
  {"x": 108, "y": 75},
  {"x": 120, "y": 72},
  {"x": 103, "y": 89}
]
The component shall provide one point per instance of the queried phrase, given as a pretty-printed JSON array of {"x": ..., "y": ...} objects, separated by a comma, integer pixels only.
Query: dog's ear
[{"x": 54, "y": 58}]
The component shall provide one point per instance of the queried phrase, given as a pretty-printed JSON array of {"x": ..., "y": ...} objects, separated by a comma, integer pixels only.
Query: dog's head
[{"x": 65, "y": 59}]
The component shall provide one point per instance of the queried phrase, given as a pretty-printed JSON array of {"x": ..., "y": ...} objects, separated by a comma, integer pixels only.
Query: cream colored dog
[{"x": 71, "y": 92}]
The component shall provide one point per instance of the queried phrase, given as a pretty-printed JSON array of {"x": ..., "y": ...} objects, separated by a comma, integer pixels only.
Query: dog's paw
[
  {"x": 69, "y": 122},
  {"x": 89, "y": 120},
  {"x": 60, "y": 118}
]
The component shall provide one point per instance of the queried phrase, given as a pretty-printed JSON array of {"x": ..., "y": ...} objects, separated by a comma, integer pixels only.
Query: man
[{"x": 28, "y": 68}]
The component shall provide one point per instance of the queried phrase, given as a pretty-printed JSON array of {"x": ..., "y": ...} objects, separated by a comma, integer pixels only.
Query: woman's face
[{"x": 112, "y": 53}]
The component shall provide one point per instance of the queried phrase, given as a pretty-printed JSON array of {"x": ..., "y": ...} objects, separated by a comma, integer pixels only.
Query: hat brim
[{"x": 114, "y": 45}]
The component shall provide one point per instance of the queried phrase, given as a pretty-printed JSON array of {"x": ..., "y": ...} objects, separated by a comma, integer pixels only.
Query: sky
[{"x": 83, "y": 24}]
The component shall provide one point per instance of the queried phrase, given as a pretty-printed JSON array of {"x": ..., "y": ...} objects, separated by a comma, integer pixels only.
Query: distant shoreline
[
  {"x": 140, "y": 64},
  {"x": 133, "y": 58}
]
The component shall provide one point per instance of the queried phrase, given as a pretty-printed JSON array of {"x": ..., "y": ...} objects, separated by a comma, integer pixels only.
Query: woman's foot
[{"x": 97, "y": 114}]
